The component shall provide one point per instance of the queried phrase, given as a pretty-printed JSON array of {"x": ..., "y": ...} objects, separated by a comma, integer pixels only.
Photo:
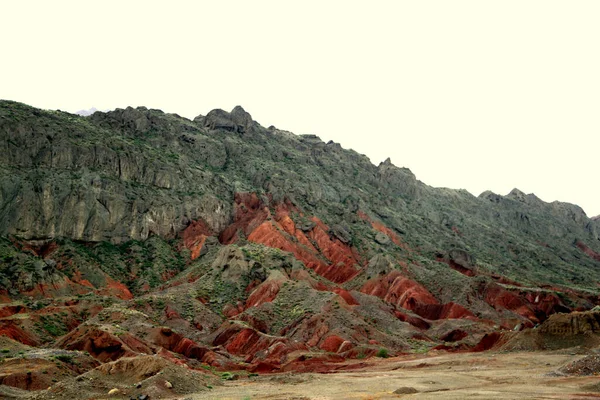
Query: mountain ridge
[{"x": 240, "y": 246}]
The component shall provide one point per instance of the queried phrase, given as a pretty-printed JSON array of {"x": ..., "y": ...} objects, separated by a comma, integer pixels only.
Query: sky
[{"x": 479, "y": 95}]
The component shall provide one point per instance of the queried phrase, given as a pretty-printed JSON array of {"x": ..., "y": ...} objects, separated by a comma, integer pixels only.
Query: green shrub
[
  {"x": 65, "y": 358},
  {"x": 227, "y": 376},
  {"x": 383, "y": 353}
]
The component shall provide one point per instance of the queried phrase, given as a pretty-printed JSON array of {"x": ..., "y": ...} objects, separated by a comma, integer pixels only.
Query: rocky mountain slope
[{"x": 218, "y": 242}]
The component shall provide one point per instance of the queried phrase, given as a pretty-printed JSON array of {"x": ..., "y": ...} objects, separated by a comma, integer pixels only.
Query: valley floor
[{"x": 446, "y": 376}]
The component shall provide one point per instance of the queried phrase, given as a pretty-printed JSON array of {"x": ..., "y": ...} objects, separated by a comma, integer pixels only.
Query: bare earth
[{"x": 446, "y": 376}]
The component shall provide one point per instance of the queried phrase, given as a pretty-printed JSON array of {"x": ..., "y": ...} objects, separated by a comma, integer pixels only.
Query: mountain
[
  {"x": 220, "y": 241},
  {"x": 88, "y": 112}
]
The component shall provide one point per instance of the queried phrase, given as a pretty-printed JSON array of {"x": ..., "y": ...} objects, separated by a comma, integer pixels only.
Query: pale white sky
[{"x": 467, "y": 94}]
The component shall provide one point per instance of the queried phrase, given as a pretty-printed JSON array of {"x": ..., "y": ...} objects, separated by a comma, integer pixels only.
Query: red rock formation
[
  {"x": 545, "y": 303},
  {"x": 115, "y": 289},
  {"x": 344, "y": 294},
  {"x": 12, "y": 310},
  {"x": 55, "y": 288},
  {"x": 398, "y": 290},
  {"x": 254, "y": 322},
  {"x": 10, "y": 329},
  {"x": 341, "y": 256},
  {"x": 270, "y": 235},
  {"x": 414, "y": 321},
  {"x": 171, "y": 313},
  {"x": 457, "y": 267},
  {"x": 449, "y": 310},
  {"x": 101, "y": 345},
  {"x": 500, "y": 298},
  {"x": 255, "y": 346},
  {"x": 406, "y": 293},
  {"x": 264, "y": 367},
  {"x": 4, "y": 297},
  {"x": 194, "y": 237},
  {"x": 264, "y": 293},
  {"x": 32, "y": 374},
  {"x": 359, "y": 352},
  {"x": 229, "y": 310},
  {"x": 583, "y": 247},
  {"x": 249, "y": 213},
  {"x": 378, "y": 226},
  {"x": 254, "y": 219},
  {"x": 332, "y": 343},
  {"x": 488, "y": 341},
  {"x": 454, "y": 335},
  {"x": 313, "y": 363}
]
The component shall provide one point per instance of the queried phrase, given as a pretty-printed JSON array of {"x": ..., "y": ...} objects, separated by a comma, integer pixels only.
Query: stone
[
  {"x": 341, "y": 233},
  {"x": 406, "y": 390},
  {"x": 382, "y": 238},
  {"x": 114, "y": 391}
]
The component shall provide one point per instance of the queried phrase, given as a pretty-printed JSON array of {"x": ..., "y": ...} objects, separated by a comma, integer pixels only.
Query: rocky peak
[
  {"x": 520, "y": 196},
  {"x": 133, "y": 119},
  {"x": 517, "y": 194},
  {"x": 387, "y": 165},
  {"x": 87, "y": 113},
  {"x": 400, "y": 181},
  {"x": 238, "y": 120},
  {"x": 491, "y": 196}
]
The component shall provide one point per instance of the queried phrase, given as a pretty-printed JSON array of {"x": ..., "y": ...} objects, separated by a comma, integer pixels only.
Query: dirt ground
[{"x": 444, "y": 376}]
